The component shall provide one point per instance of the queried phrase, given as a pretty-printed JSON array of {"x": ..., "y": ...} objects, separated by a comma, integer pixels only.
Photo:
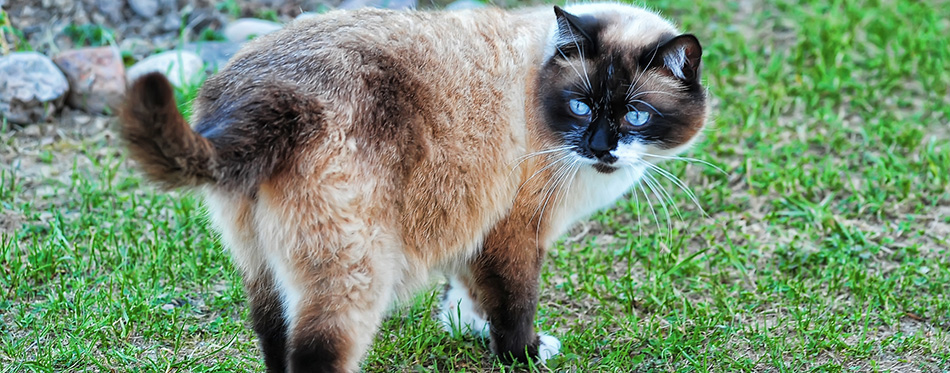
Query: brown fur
[
  {"x": 347, "y": 156},
  {"x": 164, "y": 145}
]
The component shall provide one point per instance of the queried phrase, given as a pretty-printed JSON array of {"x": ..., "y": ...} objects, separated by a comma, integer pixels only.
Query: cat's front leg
[{"x": 504, "y": 279}]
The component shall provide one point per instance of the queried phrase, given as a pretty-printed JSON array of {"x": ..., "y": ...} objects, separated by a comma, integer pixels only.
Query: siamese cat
[{"x": 348, "y": 157}]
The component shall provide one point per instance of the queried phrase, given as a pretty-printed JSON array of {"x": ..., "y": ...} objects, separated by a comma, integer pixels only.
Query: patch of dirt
[
  {"x": 939, "y": 227},
  {"x": 46, "y": 24},
  {"x": 11, "y": 221},
  {"x": 44, "y": 157}
]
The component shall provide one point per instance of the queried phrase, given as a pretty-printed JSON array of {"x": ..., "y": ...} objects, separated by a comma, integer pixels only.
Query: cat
[{"x": 349, "y": 157}]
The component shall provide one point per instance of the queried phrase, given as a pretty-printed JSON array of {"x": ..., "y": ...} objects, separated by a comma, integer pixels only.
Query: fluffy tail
[{"x": 160, "y": 139}]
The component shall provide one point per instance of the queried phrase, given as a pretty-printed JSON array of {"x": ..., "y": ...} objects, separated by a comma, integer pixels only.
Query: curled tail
[
  {"x": 250, "y": 130},
  {"x": 160, "y": 139}
]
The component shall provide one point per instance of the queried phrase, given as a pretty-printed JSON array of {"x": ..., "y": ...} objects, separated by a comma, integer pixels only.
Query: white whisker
[
  {"x": 548, "y": 186},
  {"x": 667, "y": 197},
  {"x": 638, "y": 94},
  {"x": 679, "y": 183},
  {"x": 554, "y": 182},
  {"x": 538, "y": 172},
  {"x": 646, "y": 196},
  {"x": 648, "y": 180},
  {"x": 690, "y": 160},
  {"x": 648, "y": 105},
  {"x": 644, "y": 69},
  {"x": 589, "y": 88},
  {"x": 636, "y": 199},
  {"x": 525, "y": 157},
  {"x": 586, "y": 76},
  {"x": 563, "y": 185}
]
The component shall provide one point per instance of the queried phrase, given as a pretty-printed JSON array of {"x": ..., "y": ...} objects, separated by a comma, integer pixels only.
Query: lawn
[{"x": 818, "y": 238}]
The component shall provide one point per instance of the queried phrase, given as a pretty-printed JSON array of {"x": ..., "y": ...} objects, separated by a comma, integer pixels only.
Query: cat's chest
[
  {"x": 596, "y": 190},
  {"x": 592, "y": 191}
]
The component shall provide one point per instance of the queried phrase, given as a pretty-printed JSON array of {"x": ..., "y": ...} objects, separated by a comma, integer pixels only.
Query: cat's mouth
[
  {"x": 603, "y": 163},
  {"x": 604, "y": 168}
]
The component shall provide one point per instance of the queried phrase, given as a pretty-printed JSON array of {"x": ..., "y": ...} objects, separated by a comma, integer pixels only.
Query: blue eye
[
  {"x": 579, "y": 108},
  {"x": 637, "y": 118}
]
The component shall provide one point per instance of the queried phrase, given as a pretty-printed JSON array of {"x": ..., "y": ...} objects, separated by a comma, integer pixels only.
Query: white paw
[
  {"x": 549, "y": 347},
  {"x": 458, "y": 313}
]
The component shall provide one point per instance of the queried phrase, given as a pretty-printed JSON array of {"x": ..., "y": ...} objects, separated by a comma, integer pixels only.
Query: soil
[{"x": 46, "y": 24}]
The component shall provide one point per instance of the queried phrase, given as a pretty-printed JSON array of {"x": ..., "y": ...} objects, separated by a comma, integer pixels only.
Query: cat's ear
[
  {"x": 573, "y": 34},
  {"x": 679, "y": 57}
]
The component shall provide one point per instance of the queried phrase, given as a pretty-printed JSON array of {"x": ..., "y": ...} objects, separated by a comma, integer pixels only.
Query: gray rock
[
  {"x": 215, "y": 54},
  {"x": 465, "y": 4},
  {"x": 112, "y": 9},
  {"x": 243, "y": 29},
  {"x": 137, "y": 47},
  {"x": 144, "y": 8},
  {"x": 31, "y": 87},
  {"x": 203, "y": 18},
  {"x": 96, "y": 77},
  {"x": 172, "y": 22},
  {"x": 181, "y": 67},
  {"x": 384, "y": 4}
]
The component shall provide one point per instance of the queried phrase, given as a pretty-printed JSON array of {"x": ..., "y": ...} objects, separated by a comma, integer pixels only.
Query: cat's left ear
[
  {"x": 679, "y": 57},
  {"x": 574, "y": 34}
]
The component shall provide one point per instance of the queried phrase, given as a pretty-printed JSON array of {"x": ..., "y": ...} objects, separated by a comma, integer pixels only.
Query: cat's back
[
  {"x": 421, "y": 112},
  {"x": 373, "y": 69},
  {"x": 319, "y": 53}
]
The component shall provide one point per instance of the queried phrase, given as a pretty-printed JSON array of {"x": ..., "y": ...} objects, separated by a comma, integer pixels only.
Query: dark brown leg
[
  {"x": 268, "y": 318},
  {"x": 505, "y": 277},
  {"x": 318, "y": 350}
]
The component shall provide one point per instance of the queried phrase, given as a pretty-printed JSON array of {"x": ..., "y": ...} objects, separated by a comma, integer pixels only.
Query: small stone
[
  {"x": 144, "y": 8},
  {"x": 383, "y": 4},
  {"x": 171, "y": 22},
  {"x": 96, "y": 77},
  {"x": 465, "y": 4},
  {"x": 31, "y": 87},
  {"x": 203, "y": 18},
  {"x": 243, "y": 29},
  {"x": 112, "y": 9},
  {"x": 137, "y": 47},
  {"x": 181, "y": 67},
  {"x": 215, "y": 54}
]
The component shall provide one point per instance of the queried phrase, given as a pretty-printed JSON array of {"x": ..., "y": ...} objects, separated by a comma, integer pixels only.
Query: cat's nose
[
  {"x": 600, "y": 145},
  {"x": 606, "y": 157},
  {"x": 602, "y": 152}
]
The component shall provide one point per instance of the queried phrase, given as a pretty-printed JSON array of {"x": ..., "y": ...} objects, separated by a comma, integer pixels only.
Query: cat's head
[{"x": 620, "y": 86}]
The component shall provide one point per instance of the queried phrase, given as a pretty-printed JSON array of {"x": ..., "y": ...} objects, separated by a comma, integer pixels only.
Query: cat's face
[{"x": 621, "y": 86}]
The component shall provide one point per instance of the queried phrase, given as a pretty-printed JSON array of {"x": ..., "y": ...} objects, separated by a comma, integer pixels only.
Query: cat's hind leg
[
  {"x": 335, "y": 270},
  {"x": 233, "y": 214},
  {"x": 267, "y": 315},
  {"x": 333, "y": 308}
]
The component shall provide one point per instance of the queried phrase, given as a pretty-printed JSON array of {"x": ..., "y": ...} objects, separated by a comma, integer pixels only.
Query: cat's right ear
[
  {"x": 574, "y": 34},
  {"x": 679, "y": 57}
]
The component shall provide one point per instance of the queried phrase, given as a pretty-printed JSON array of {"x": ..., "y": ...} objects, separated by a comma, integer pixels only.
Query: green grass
[
  {"x": 89, "y": 35},
  {"x": 823, "y": 247},
  {"x": 11, "y": 39}
]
